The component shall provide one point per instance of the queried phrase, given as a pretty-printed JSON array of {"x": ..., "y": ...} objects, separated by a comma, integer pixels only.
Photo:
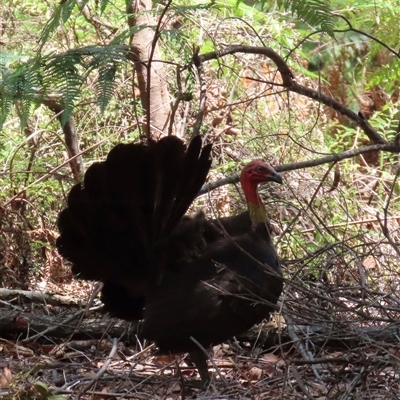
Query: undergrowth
[{"x": 336, "y": 227}]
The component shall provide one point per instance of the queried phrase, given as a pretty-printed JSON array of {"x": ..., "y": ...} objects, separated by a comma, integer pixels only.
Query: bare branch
[
  {"x": 203, "y": 93},
  {"x": 41, "y": 298},
  {"x": 290, "y": 83},
  {"x": 103, "y": 369},
  {"x": 71, "y": 138},
  {"x": 102, "y": 29},
  {"x": 392, "y": 147}
]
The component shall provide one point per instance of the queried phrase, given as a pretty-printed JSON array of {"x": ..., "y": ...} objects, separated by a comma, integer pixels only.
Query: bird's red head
[
  {"x": 255, "y": 172},
  {"x": 259, "y": 171}
]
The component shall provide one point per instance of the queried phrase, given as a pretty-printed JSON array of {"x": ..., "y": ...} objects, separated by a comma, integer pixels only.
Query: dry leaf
[
  {"x": 317, "y": 388},
  {"x": 255, "y": 374},
  {"x": 5, "y": 378},
  {"x": 247, "y": 81},
  {"x": 89, "y": 374},
  {"x": 21, "y": 322},
  {"x": 19, "y": 350},
  {"x": 271, "y": 358},
  {"x": 369, "y": 263},
  {"x": 395, "y": 351},
  {"x": 269, "y": 366},
  {"x": 58, "y": 350},
  {"x": 221, "y": 350},
  {"x": 164, "y": 359},
  {"x": 217, "y": 120},
  {"x": 232, "y": 131},
  {"x": 175, "y": 388},
  {"x": 335, "y": 354}
]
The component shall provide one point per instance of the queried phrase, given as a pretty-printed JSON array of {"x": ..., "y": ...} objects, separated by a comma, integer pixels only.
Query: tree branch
[
  {"x": 102, "y": 29},
  {"x": 290, "y": 83},
  {"x": 203, "y": 93},
  {"x": 71, "y": 139},
  {"x": 392, "y": 147},
  {"x": 41, "y": 298}
]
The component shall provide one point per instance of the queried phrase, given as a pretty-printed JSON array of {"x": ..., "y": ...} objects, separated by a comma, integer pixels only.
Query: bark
[
  {"x": 14, "y": 323},
  {"x": 38, "y": 297},
  {"x": 71, "y": 139},
  {"x": 150, "y": 71}
]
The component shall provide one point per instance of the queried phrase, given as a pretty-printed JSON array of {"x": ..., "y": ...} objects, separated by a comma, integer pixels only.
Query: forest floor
[{"x": 55, "y": 365}]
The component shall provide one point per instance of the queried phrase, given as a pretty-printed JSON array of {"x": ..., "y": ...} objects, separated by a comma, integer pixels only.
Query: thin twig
[
  {"x": 300, "y": 383},
  {"x": 50, "y": 173},
  {"x": 102, "y": 370},
  {"x": 203, "y": 93},
  {"x": 303, "y": 351}
]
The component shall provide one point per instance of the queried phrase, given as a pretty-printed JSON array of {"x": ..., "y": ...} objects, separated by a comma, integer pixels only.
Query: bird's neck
[{"x": 255, "y": 205}]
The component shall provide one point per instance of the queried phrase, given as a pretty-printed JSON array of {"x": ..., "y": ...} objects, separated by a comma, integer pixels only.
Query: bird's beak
[{"x": 275, "y": 177}]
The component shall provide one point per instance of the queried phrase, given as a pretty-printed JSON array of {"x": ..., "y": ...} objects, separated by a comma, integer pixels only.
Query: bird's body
[
  {"x": 206, "y": 301},
  {"x": 186, "y": 277}
]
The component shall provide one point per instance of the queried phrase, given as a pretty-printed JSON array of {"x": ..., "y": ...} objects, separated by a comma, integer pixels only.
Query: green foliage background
[
  {"x": 328, "y": 220},
  {"x": 50, "y": 49}
]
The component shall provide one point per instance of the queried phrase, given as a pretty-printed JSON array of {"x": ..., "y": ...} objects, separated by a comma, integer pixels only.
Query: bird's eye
[{"x": 260, "y": 169}]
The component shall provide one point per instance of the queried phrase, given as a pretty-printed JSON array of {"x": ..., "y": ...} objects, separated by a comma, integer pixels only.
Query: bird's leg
[{"x": 200, "y": 360}]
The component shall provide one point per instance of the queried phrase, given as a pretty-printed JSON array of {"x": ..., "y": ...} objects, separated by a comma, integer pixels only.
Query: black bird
[{"x": 183, "y": 276}]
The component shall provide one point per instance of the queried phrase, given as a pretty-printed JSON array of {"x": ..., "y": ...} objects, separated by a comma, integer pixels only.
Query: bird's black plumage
[{"x": 184, "y": 276}]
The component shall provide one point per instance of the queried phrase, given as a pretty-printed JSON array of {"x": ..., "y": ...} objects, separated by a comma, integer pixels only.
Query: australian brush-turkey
[{"x": 186, "y": 277}]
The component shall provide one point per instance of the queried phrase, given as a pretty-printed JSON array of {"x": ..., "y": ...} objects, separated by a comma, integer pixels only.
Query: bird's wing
[{"x": 221, "y": 295}]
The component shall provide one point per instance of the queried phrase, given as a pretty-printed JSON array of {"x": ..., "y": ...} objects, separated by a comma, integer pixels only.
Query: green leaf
[{"x": 42, "y": 388}]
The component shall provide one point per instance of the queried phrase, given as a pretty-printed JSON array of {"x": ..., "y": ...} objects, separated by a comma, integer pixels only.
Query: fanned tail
[{"x": 127, "y": 205}]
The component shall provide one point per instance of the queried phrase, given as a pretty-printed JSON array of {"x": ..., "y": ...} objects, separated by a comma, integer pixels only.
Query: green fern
[
  {"x": 19, "y": 85},
  {"x": 27, "y": 85},
  {"x": 62, "y": 71},
  {"x": 6, "y": 104},
  {"x": 63, "y": 74},
  {"x": 103, "y": 5},
  {"x": 317, "y": 13},
  {"x": 105, "y": 84},
  {"x": 60, "y": 16},
  {"x": 106, "y": 63}
]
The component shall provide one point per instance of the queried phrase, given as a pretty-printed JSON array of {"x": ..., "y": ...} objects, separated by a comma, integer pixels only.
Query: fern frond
[
  {"x": 5, "y": 106},
  {"x": 103, "y": 5},
  {"x": 24, "y": 108},
  {"x": 317, "y": 13},
  {"x": 60, "y": 74},
  {"x": 113, "y": 52},
  {"x": 105, "y": 84},
  {"x": 63, "y": 72},
  {"x": 19, "y": 85},
  {"x": 60, "y": 16},
  {"x": 28, "y": 87},
  {"x": 106, "y": 64}
]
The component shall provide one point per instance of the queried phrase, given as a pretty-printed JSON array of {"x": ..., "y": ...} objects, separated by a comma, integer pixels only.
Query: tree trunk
[{"x": 150, "y": 71}]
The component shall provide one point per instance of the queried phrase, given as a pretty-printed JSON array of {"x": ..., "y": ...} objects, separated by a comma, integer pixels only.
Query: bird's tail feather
[{"x": 127, "y": 204}]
